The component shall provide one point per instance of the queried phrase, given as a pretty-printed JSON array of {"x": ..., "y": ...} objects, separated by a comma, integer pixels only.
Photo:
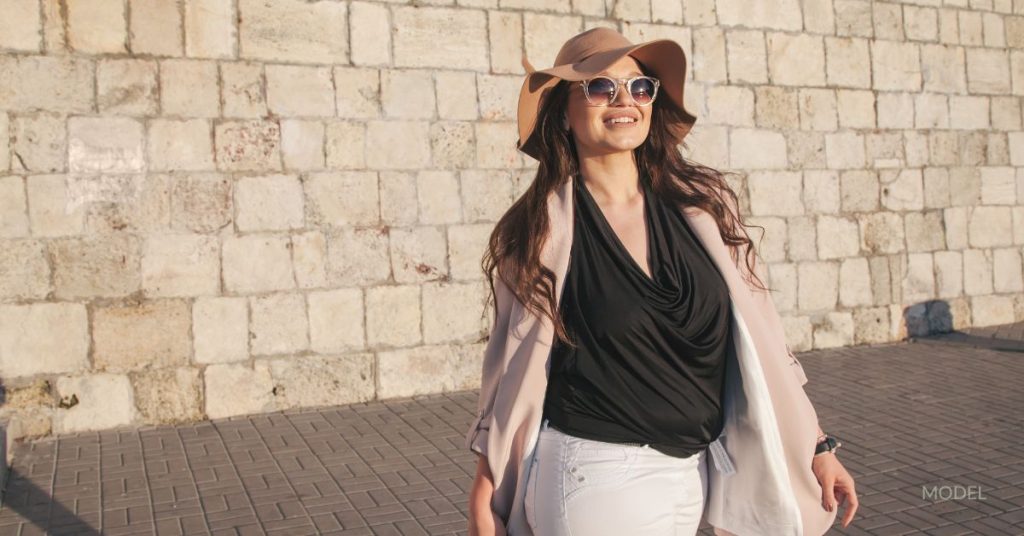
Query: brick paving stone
[{"x": 937, "y": 411}]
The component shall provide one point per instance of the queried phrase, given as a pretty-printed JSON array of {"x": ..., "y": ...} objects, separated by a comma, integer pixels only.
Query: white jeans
[{"x": 583, "y": 487}]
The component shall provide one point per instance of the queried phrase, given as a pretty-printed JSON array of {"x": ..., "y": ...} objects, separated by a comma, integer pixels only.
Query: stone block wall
[{"x": 211, "y": 208}]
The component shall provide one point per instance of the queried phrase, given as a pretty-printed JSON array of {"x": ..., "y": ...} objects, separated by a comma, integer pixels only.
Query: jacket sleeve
[
  {"x": 763, "y": 299},
  {"x": 493, "y": 368}
]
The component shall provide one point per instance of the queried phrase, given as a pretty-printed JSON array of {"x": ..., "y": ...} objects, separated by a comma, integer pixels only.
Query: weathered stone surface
[
  {"x": 231, "y": 390},
  {"x": 168, "y": 395},
  {"x": 93, "y": 402},
  {"x": 322, "y": 381},
  {"x": 27, "y": 345},
  {"x": 151, "y": 334}
]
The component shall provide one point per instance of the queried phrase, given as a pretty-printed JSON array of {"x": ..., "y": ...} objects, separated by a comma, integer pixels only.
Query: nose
[{"x": 622, "y": 96}]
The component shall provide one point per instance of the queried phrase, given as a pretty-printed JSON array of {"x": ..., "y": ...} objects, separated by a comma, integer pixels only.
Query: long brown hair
[{"x": 515, "y": 244}]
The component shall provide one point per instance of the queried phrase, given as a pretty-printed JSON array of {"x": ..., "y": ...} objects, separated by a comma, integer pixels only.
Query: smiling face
[{"x": 591, "y": 127}]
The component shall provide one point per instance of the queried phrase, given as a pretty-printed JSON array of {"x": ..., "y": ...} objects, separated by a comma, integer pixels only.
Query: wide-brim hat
[{"x": 588, "y": 54}]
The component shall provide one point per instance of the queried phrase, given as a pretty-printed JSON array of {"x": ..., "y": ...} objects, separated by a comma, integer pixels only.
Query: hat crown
[{"x": 588, "y": 43}]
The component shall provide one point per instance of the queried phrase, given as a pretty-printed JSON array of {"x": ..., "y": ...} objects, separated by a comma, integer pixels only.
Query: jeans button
[{"x": 572, "y": 469}]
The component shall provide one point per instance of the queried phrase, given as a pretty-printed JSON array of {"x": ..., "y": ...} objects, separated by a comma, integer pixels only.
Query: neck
[{"x": 612, "y": 178}]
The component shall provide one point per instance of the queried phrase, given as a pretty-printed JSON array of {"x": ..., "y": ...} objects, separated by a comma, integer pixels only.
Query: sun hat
[{"x": 586, "y": 55}]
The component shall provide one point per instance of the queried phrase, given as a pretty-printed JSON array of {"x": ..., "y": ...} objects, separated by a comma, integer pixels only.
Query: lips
[{"x": 620, "y": 115}]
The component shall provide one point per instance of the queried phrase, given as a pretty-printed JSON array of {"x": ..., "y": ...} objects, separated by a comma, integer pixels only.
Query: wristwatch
[{"x": 826, "y": 444}]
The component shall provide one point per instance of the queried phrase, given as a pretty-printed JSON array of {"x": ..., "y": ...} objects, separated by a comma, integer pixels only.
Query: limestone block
[
  {"x": 855, "y": 283},
  {"x": 924, "y": 231},
  {"x": 819, "y": 286},
  {"x": 294, "y": 31},
  {"x": 357, "y": 92},
  {"x": 801, "y": 235},
  {"x": 221, "y": 329},
  {"x": 243, "y": 90},
  {"x": 998, "y": 185},
  {"x": 991, "y": 310},
  {"x": 58, "y": 84},
  {"x": 775, "y": 193},
  {"x": 783, "y": 15},
  {"x": 936, "y": 188},
  {"x": 201, "y": 202},
  {"x": 454, "y": 312},
  {"x": 299, "y": 91},
  {"x": 167, "y": 396},
  {"x": 849, "y": 62},
  {"x": 856, "y": 108},
  {"x": 321, "y": 381},
  {"x": 397, "y": 144},
  {"x": 428, "y": 369},
  {"x": 895, "y": 110},
  {"x": 248, "y": 145},
  {"x": 371, "y": 33},
  {"x": 1006, "y": 270},
  {"x": 919, "y": 283},
  {"x": 231, "y": 390},
  {"x": 418, "y": 254},
  {"x": 782, "y": 277},
  {"x": 818, "y": 109},
  {"x": 776, "y": 107},
  {"x": 902, "y": 189},
  {"x": 955, "y": 220},
  {"x": 336, "y": 320},
  {"x": 345, "y": 145},
  {"x": 845, "y": 150},
  {"x": 498, "y": 96},
  {"x": 358, "y": 257},
  {"x": 794, "y": 59},
  {"x": 181, "y": 265},
  {"x": 871, "y": 325},
  {"x": 990, "y": 227},
  {"x": 457, "y": 95},
  {"x": 180, "y": 145},
  {"x": 188, "y": 88},
  {"x": 833, "y": 330},
  {"x": 943, "y": 148},
  {"x": 98, "y": 402},
  {"x": 5, "y": 142},
  {"x": 757, "y": 149},
  {"x": 96, "y": 266},
  {"x": 931, "y": 111},
  {"x": 770, "y": 243},
  {"x": 799, "y": 333},
  {"x": 257, "y": 263},
  {"x": 210, "y": 30},
  {"x": 278, "y": 324},
  {"x": 302, "y": 144},
  {"x": 505, "y": 31},
  {"x": 393, "y": 315},
  {"x": 269, "y": 202},
  {"x": 105, "y": 144},
  {"x": 142, "y": 207},
  {"x": 949, "y": 274},
  {"x": 977, "y": 272},
  {"x": 895, "y": 66},
  {"x": 13, "y": 207},
  {"x": 453, "y": 144},
  {"x": 309, "y": 258},
  {"x": 343, "y": 198},
  {"x": 20, "y": 26},
  {"x": 988, "y": 71},
  {"x": 466, "y": 246},
  {"x": 27, "y": 346},
  {"x": 485, "y": 195},
  {"x": 417, "y": 30},
  {"x": 821, "y": 191},
  {"x": 838, "y": 237},
  {"x": 747, "y": 56},
  {"x": 127, "y": 87},
  {"x": 882, "y": 232},
  {"x": 438, "y": 192},
  {"x": 731, "y": 105},
  {"x": 149, "y": 334},
  {"x": 24, "y": 270},
  {"x": 943, "y": 69},
  {"x": 397, "y": 194},
  {"x": 155, "y": 27},
  {"x": 965, "y": 186},
  {"x": 494, "y": 150},
  {"x": 38, "y": 143},
  {"x": 97, "y": 26}
]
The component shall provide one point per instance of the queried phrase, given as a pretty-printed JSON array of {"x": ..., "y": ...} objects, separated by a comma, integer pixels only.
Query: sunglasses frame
[{"x": 620, "y": 82}]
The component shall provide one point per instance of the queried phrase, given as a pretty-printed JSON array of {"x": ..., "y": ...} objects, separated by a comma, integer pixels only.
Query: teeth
[{"x": 621, "y": 120}]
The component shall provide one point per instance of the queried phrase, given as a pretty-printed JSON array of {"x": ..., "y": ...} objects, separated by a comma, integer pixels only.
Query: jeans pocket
[{"x": 594, "y": 465}]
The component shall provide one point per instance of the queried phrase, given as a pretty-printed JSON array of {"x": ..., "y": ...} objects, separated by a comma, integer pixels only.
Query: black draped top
[{"x": 650, "y": 362}]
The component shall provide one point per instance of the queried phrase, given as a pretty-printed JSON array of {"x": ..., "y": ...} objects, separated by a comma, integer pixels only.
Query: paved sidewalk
[{"x": 944, "y": 412}]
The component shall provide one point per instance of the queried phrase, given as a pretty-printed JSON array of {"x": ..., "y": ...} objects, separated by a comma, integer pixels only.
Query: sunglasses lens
[
  {"x": 642, "y": 90},
  {"x": 601, "y": 90}
]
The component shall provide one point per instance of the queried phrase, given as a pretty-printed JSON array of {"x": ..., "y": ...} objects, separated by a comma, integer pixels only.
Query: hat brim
[{"x": 663, "y": 58}]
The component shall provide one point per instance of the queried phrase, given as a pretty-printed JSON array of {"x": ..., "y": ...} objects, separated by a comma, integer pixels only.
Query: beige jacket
[{"x": 770, "y": 424}]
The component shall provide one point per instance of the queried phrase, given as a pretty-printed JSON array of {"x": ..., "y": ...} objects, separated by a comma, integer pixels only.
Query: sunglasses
[{"x": 602, "y": 90}]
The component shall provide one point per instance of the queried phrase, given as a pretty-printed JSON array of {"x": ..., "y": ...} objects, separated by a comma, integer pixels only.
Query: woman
[{"x": 609, "y": 429}]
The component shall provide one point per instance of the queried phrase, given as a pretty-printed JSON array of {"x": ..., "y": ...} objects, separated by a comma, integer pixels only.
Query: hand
[
  {"x": 483, "y": 521},
  {"x": 836, "y": 483}
]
